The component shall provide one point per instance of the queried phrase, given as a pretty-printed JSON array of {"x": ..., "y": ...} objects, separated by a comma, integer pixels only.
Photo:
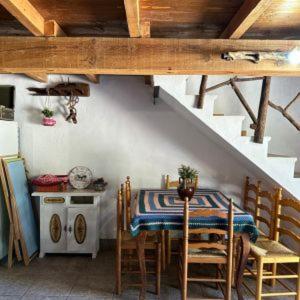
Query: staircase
[{"x": 226, "y": 132}]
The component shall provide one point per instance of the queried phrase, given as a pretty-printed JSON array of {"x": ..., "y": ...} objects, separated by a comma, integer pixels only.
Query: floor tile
[{"x": 78, "y": 277}]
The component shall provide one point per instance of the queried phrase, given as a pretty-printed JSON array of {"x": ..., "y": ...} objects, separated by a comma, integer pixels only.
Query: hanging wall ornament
[
  {"x": 70, "y": 90},
  {"x": 72, "y": 101},
  {"x": 48, "y": 113}
]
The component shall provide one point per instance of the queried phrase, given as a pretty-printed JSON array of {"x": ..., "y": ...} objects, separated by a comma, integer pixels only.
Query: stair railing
[{"x": 259, "y": 122}]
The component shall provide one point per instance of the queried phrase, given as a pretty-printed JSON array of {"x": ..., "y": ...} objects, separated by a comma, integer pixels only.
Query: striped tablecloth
[{"x": 163, "y": 210}]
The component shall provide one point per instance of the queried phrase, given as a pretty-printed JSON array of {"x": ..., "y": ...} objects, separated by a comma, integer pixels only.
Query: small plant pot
[
  {"x": 185, "y": 189},
  {"x": 48, "y": 121}
]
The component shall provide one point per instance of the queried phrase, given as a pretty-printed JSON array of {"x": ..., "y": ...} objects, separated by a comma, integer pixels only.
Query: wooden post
[
  {"x": 263, "y": 110},
  {"x": 202, "y": 91}
]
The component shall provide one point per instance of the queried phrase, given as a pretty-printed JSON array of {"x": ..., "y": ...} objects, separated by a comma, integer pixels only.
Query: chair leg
[
  {"x": 158, "y": 268},
  {"x": 163, "y": 250},
  {"x": 168, "y": 246},
  {"x": 260, "y": 267},
  {"x": 184, "y": 280},
  {"x": 234, "y": 261},
  {"x": 228, "y": 282},
  {"x": 298, "y": 284},
  {"x": 274, "y": 271},
  {"x": 118, "y": 269}
]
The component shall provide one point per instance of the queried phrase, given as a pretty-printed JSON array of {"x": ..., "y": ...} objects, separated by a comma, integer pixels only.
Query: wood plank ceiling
[{"x": 168, "y": 18}]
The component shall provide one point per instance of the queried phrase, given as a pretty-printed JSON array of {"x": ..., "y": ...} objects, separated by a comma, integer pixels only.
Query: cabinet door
[
  {"x": 82, "y": 223},
  {"x": 53, "y": 228}
]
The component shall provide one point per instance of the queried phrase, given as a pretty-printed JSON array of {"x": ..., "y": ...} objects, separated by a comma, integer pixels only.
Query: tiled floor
[{"x": 80, "y": 277}]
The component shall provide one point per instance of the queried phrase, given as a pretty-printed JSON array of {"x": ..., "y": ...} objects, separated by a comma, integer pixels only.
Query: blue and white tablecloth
[{"x": 163, "y": 210}]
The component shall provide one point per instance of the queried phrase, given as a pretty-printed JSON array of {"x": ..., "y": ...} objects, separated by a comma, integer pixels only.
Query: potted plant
[
  {"x": 48, "y": 117},
  {"x": 187, "y": 176}
]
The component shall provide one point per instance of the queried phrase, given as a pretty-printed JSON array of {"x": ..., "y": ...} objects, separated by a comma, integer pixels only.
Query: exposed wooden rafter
[
  {"x": 132, "y": 8},
  {"x": 137, "y": 28},
  {"x": 144, "y": 56},
  {"x": 26, "y": 14},
  {"x": 41, "y": 77},
  {"x": 53, "y": 29},
  {"x": 93, "y": 78},
  {"x": 245, "y": 17}
]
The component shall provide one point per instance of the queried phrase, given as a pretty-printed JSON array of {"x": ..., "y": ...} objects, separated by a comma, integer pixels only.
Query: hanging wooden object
[
  {"x": 66, "y": 89},
  {"x": 255, "y": 56}
]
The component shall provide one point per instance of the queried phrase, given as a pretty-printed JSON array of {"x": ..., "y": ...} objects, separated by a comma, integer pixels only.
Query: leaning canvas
[{"x": 20, "y": 194}]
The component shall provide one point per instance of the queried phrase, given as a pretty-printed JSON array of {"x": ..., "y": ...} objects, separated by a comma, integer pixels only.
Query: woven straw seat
[
  {"x": 271, "y": 248},
  {"x": 206, "y": 253}
]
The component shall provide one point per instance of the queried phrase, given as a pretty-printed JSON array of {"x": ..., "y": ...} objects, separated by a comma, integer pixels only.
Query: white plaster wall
[
  {"x": 285, "y": 137},
  {"x": 119, "y": 132}
]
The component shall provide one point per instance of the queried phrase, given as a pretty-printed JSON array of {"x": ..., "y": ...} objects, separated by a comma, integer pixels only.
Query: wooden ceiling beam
[
  {"x": 245, "y": 17},
  {"x": 144, "y": 56},
  {"x": 132, "y": 8}
]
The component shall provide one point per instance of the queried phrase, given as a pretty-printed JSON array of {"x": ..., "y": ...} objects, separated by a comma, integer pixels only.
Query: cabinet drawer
[
  {"x": 54, "y": 200},
  {"x": 82, "y": 200}
]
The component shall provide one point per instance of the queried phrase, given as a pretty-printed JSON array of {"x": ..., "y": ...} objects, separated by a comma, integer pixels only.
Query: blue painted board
[
  {"x": 4, "y": 226},
  {"x": 17, "y": 176}
]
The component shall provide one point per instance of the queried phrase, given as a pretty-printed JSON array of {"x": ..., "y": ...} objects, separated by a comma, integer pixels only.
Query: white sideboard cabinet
[{"x": 69, "y": 221}]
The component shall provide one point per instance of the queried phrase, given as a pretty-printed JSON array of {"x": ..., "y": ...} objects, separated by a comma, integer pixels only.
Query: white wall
[
  {"x": 119, "y": 132},
  {"x": 285, "y": 137}
]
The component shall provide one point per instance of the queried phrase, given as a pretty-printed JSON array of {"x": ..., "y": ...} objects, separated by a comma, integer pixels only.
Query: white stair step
[
  {"x": 175, "y": 85},
  {"x": 226, "y": 126},
  {"x": 250, "y": 149},
  {"x": 230, "y": 126},
  {"x": 283, "y": 165}
]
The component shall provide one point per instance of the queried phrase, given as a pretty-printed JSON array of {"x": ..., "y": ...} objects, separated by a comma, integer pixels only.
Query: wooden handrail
[{"x": 259, "y": 123}]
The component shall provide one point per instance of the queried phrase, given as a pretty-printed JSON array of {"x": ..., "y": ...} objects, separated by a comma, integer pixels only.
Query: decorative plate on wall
[{"x": 80, "y": 177}]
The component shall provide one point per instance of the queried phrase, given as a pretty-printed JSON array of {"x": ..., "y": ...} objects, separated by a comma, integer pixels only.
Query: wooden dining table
[{"x": 157, "y": 209}]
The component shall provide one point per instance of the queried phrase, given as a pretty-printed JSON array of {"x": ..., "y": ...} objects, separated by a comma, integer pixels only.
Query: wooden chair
[
  {"x": 272, "y": 252},
  {"x": 129, "y": 199},
  {"x": 264, "y": 221},
  {"x": 261, "y": 212},
  {"x": 174, "y": 184},
  {"x": 207, "y": 252},
  {"x": 127, "y": 245},
  {"x": 169, "y": 251}
]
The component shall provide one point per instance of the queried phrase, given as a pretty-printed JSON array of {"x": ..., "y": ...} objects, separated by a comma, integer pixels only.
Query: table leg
[
  {"x": 244, "y": 253},
  {"x": 141, "y": 239}
]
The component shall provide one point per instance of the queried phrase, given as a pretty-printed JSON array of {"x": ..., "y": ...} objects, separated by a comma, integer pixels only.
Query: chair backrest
[
  {"x": 120, "y": 216},
  {"x": 124, "y": 205},
  {"x": 287, "y": 211},
  {"x": 249, "y": 202},
  {"x": 128, "y": 201},
  {"x": 260, "y": 204},
  {"x": 174, "y": 184},
  {"x": 222, "y": 244},
  {"x": 264, "y": 211}
]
